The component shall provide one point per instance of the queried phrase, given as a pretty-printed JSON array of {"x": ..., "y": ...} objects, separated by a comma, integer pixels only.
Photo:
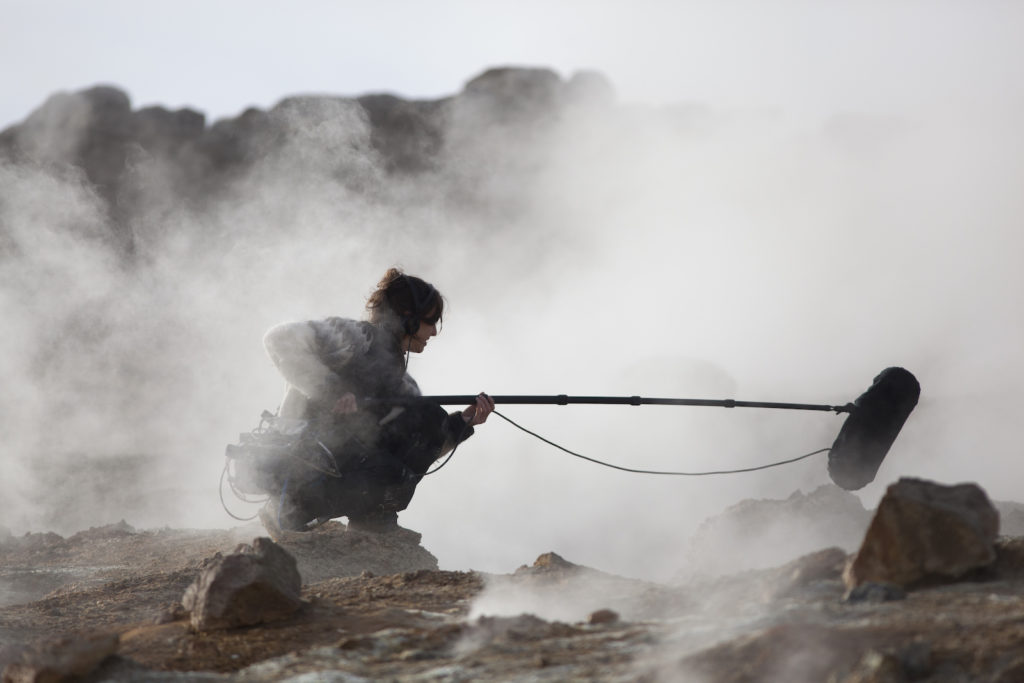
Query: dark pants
[{"x": 376, "y": 468}]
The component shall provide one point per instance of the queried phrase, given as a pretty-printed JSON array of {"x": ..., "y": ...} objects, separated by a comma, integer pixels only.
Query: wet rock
[
  {"x": 256, "y": 584},
  {"x": 62, "y": 659},
  {"x": 923, "y": 531}
]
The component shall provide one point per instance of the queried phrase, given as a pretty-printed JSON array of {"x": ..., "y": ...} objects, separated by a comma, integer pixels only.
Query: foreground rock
[
  {"x": 256, "y": 584},
  {"x": 926, "y": 531},
  {"x": 64, "y": 658}
]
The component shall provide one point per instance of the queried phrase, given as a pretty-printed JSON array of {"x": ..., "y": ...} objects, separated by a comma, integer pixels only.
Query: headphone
[{"x": 411, "y": 322}]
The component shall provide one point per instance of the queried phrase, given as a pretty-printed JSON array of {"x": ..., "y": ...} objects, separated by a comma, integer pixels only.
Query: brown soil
[{"x": 397, "y": 622}]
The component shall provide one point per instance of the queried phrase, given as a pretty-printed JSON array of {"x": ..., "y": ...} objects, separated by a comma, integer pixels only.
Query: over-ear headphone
[{"x": 411, "y": 322}]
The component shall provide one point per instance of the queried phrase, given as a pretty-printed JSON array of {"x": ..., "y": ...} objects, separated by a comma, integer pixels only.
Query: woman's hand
[
  {"x": 477, "y": 413},
  {"x": 345, "y": 405}
]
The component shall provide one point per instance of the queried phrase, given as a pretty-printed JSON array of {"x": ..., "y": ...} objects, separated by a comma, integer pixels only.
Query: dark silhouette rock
[
  {"x": 256, "y": 584},
  {"x": 138, "y": 161},
  {"x": 230, "y": 143},
  {"x": 923, "y": 531},
  {"x": 408, "y": 135},
  {"x": 514, "y": 95}
]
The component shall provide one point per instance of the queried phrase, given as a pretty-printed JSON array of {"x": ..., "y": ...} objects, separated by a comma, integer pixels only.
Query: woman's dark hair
[{"x": 408, "y": 297}]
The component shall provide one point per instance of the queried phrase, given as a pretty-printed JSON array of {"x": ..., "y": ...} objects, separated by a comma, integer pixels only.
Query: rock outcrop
[
  {"x": 923, "y": 531},
  {"x": 133, "y": 159}
]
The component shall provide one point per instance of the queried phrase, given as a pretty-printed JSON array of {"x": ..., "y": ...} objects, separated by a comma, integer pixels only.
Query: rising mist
[{"x": 584, "y": 245}]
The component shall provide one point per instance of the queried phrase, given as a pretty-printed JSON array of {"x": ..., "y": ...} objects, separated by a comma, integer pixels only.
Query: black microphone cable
[{"x": 640, "y": 471}]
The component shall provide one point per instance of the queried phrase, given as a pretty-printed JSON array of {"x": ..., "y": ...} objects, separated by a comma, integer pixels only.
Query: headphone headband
[{"x": 411, "y": 321}]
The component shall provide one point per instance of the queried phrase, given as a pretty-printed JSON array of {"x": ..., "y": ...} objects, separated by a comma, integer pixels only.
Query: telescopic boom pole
[
  {"x": 876, "y": 418},
  {"x": 563, "y": 399}
]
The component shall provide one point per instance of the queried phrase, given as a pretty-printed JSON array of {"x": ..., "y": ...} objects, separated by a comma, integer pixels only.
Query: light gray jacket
[{"x": 322, "y": 360}]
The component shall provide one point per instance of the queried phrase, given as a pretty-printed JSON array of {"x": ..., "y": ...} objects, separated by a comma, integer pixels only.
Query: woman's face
[{"x": 417, "y": 342}]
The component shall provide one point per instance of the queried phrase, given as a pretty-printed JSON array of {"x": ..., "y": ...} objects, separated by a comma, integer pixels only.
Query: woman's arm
[
  {"x": 477, "y": 413},
  {"x": 459, "y": 425},
  {"x": 302, "y": 350}
]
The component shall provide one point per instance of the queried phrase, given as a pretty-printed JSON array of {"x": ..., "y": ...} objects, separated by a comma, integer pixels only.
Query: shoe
[{"x": 281, "y": 515}]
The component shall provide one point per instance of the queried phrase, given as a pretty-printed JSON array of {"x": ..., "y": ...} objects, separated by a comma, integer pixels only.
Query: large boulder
[
  {"x": 923, "y": 531},
  {"x": 256, "y": 584}
]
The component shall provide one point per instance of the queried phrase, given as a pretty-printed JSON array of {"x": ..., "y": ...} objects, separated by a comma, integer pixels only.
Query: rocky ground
[{"x": 376, "y": 607}]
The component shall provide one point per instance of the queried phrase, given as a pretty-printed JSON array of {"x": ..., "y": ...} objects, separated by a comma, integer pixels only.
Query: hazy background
[{"x": 787, "y": 199}]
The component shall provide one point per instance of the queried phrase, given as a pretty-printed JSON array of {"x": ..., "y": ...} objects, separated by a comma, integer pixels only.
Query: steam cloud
[{"x": 621, "y": 249}]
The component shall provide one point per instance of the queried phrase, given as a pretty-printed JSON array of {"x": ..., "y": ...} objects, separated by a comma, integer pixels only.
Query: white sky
[{"x": 806, "y": 58}]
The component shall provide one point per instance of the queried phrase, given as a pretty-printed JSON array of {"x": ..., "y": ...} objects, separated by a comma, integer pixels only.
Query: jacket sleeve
[
  {"x": 456, "y": 431},
  {"x": 301, "y": 351}
]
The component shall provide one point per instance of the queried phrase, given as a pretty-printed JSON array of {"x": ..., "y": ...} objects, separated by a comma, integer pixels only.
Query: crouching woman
[{"x": 348, "y": 379}]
